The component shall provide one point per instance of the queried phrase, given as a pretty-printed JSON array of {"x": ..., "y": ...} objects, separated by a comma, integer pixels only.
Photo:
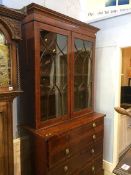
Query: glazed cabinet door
[
  {"x": 82, "y": 66},
  {"x": 53, "y": 86}
]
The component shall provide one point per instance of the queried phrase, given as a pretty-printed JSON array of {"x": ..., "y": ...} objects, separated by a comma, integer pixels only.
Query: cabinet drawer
[
  {"x": 94, "y": 125},
  {"x": 71, "y": 165},
  {"x": 84, "y": 139},
  {"x": 64, "y": 146},
  {"x": 95, "y": 149},
  {"x": 91, "y": 149},
  {"x": 57, "y": 148},
  {"x": 93, "y": 167},
  {"x": 86, "y": 131},
  {"x": 57, "y": 141}
]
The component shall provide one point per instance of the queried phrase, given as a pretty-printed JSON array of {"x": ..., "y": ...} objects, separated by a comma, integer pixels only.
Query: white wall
[
  {"x": 114, "y": 33},
  {"x": 70, "y": 8},
  {"x": 104, "y": 93},
  {"x": 19, "y": 4}
]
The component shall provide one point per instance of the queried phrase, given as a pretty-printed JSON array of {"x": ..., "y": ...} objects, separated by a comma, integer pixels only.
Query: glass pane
[
  {"x": 82, "y": 74},
  {"x": 53, "y": 75},
  {"x": 4, "y": 63}
]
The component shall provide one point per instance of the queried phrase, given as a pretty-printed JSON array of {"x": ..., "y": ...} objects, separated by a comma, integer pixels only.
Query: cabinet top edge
[
  {"x": 75, "y": 122},
  {"x": 35, "y": 8}
]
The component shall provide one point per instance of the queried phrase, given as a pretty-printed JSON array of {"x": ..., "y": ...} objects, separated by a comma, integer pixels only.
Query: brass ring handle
[{"x": 49, "y": 134}]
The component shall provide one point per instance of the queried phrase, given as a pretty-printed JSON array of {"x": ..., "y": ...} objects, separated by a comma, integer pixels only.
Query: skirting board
[
  {"x": 17, "y": 161},
  {"x": 21, "y": 155},
  {"x": 107, "y": 168},
  {"x": 21, "y": 146}
]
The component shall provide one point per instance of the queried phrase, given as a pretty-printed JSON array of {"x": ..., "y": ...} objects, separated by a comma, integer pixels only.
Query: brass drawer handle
[
  {"x": 93, "y": 168},
  {"x": 94, "y": 124},
  {"x": 67, "y": 151},
  {"x": 49, "y": 134},
  {"x": 92, "y": 151},
  {"x": 94, "y": 136},
  {"x": 65, "y": 168}
]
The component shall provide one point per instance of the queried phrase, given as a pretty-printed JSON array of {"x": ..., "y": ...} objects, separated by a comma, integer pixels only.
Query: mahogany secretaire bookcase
[
  {"x": 10, "y": 36},
  {"x": 58, "y": 83}
]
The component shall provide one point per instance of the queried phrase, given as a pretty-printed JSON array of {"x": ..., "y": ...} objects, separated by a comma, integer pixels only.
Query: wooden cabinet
[{"x": 57, "y": 79}]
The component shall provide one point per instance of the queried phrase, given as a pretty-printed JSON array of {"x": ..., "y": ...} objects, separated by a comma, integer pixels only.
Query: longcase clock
[{"x": 10, "y": 37}]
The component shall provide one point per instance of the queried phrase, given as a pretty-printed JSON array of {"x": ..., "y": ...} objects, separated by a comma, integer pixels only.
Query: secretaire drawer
[{"x": 86, "y": 129}]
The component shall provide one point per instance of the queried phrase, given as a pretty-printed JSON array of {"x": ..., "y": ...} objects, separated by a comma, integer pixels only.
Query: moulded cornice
[
  {"x": 48, "y": 12},
  {"x": 11, "y": 13},
  {"x": 11, "y": 19}
]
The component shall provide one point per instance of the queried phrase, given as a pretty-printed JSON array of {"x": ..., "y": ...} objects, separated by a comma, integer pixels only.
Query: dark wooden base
[
  {"x": 6, "y": 139},
  {"x": 73, "y": 147}
]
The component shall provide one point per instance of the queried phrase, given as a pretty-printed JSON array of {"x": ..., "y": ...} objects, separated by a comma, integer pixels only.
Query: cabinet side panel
[
  {"x": 28, "y": 78},
  {"x": 38, "y": 155}
]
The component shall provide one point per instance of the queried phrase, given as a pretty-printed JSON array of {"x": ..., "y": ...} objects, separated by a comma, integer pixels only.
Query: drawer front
[
  {"x": 67, "y": 153},
  {"x": 75, "y": 163},
  {"x": 71, "y": 165},
  {"x": 61, "y": 170},
  {"x": 65, "y": 146},
  {"x": 59, "y": 156},
  {"x": 79, "y": 131},
  {"x": 57, "y": 148},
  {"x": 58, "y": 141},
  {"x": 84, "y": 139},
  {"x": 94, "y": 167},
  {"x": 96, "y": 149},
  {"x": 81, "y": 160}
]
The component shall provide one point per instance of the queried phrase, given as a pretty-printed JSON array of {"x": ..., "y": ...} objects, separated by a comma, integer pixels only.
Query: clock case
[{"x": 10, "y": 26}]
